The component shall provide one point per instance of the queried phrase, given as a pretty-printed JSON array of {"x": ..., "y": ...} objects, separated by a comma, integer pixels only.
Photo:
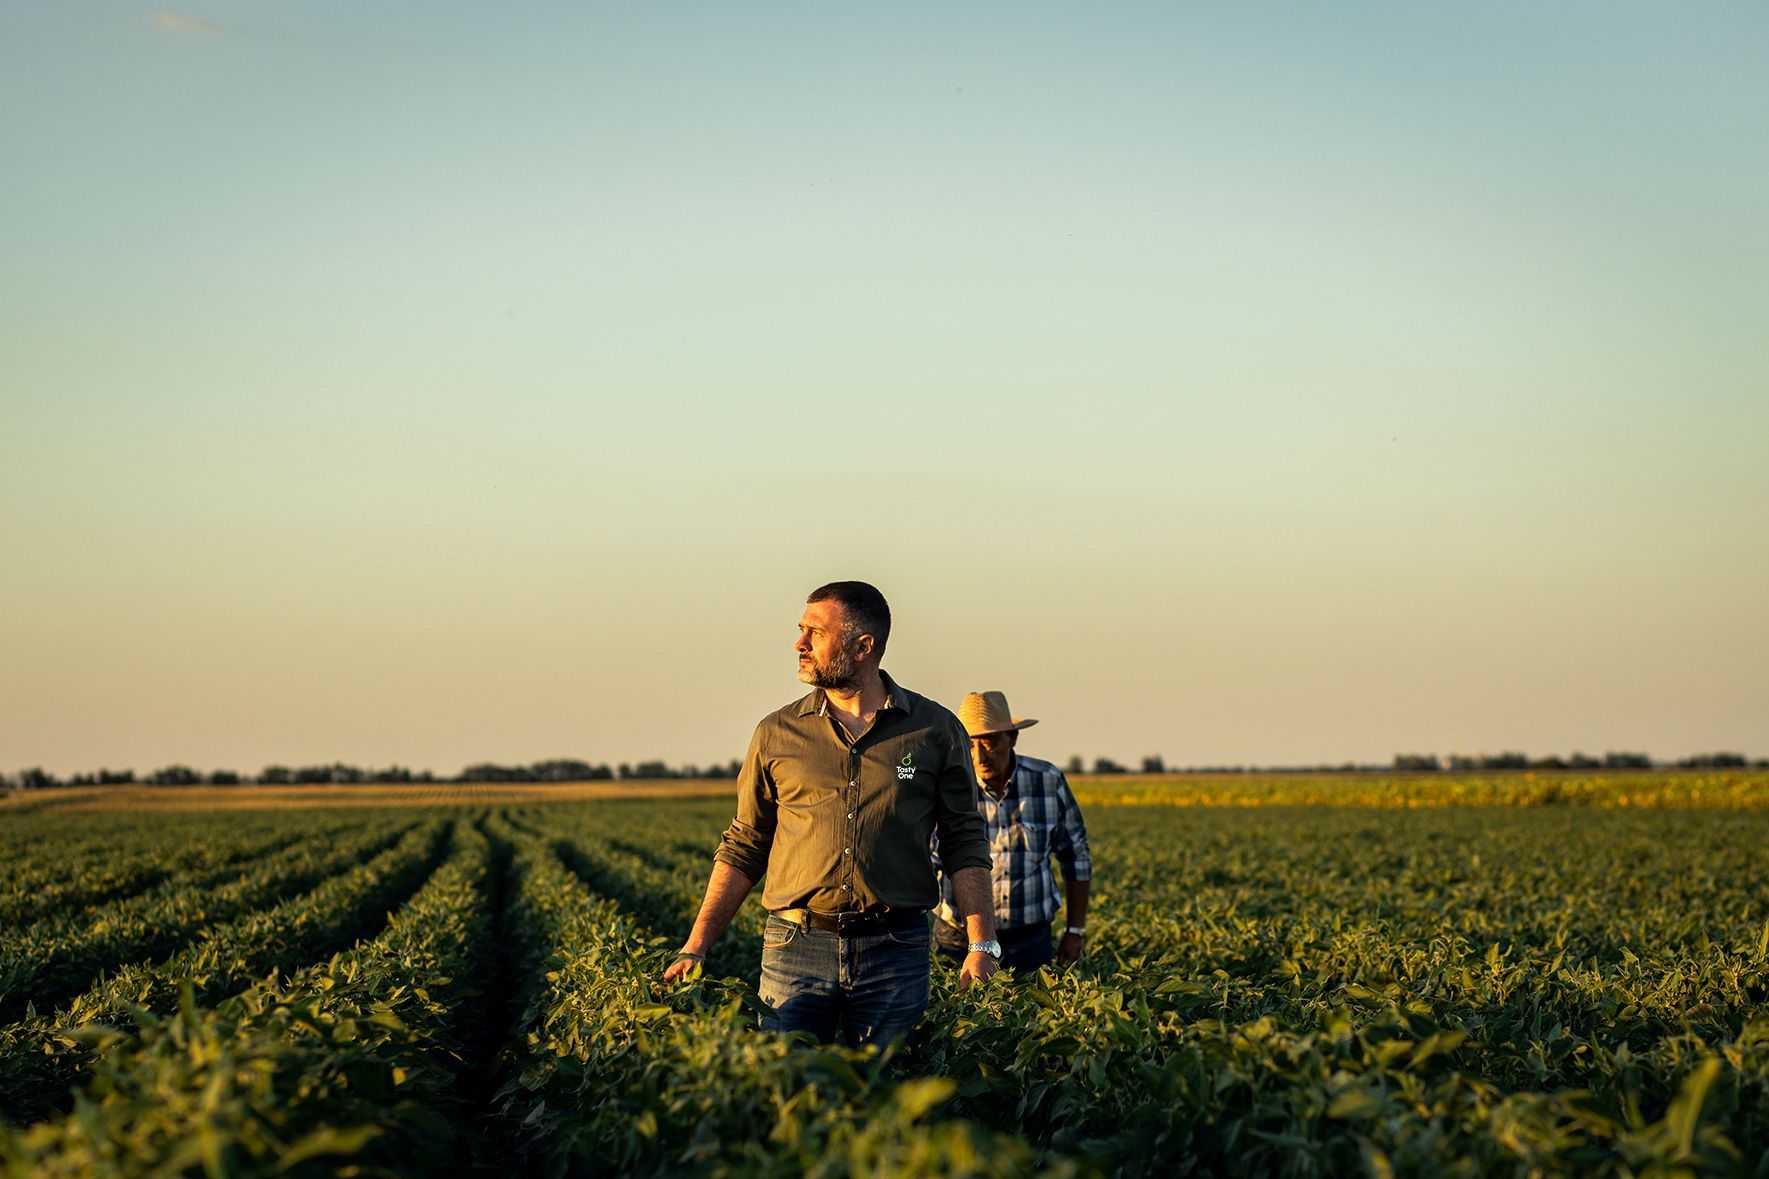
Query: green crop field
[{"x": 1506, "y": 976}]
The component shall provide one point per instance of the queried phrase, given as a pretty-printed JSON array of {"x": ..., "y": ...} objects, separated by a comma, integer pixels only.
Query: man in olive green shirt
[{"x": 837, "y": 797}]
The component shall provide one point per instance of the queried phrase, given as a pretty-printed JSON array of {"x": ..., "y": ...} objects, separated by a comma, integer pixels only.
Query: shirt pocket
[{"x": 1031, "y": 836}]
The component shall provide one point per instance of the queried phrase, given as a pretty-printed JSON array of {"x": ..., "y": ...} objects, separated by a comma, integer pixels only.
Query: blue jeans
[{"x": 869, "y": 990}]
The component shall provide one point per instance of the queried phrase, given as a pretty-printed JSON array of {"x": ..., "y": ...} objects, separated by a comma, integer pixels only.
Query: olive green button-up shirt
[{"x": 838, "y": 825}]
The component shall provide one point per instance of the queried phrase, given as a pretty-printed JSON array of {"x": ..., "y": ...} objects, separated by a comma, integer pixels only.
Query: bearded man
[{"x": 837, "y": 800}]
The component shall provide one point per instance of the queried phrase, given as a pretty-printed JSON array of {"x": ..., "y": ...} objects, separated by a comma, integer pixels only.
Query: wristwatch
[{"x": 990, "y": 947}]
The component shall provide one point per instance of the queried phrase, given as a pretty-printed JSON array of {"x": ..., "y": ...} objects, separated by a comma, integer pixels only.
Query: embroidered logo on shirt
[{"x": 906, "y": 768}]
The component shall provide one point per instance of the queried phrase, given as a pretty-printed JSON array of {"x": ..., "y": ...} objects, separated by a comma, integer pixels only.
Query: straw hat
[{"x": 987, "y": 712}]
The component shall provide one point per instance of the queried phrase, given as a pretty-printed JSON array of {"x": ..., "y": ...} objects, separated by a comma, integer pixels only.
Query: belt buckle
[{"x": 858, "y": 924}]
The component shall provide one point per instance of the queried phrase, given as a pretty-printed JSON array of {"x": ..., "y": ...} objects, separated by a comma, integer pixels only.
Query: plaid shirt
[{"x": 1036, "y": 821}]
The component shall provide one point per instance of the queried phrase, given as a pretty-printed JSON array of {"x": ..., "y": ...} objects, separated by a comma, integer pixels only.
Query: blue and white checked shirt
[{"x": 1036, "y": 821}]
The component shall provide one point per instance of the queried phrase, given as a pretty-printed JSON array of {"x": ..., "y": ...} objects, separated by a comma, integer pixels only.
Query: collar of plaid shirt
[{"x": 1007, "y": 788}]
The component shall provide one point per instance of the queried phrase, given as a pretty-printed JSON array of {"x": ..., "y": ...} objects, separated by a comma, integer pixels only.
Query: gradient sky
[{"x": 428, "y": 383}]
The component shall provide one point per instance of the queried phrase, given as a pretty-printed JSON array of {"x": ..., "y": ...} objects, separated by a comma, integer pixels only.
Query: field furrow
[
  {"x": 664, "y": 902},
  {"x": 622, "y": 1075},
  {"x": 353, "y": 1060},
  {"x": 41, "y": 1057},
  {"x": 64, "y": 881},
  {"x": 49, "y": 962},
  {"x": 1268, "y": 990}
]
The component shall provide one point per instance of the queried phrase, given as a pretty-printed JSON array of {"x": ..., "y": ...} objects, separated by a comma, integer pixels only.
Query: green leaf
[
  {"x": 214, "y": 1150},
  {"x": 1175, "y": 985},
  {"x": 1354, "y": 1104},
  {"x": 1447, "y": 1040},
  {"x": 1685, "y": 1112},
  {"x": 324, "y": 1141},
  {"x": 917, "y": 1097},
  {"x": 1376, "y": 1164}
]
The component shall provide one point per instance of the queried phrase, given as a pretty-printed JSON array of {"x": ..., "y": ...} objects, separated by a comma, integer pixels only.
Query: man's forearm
[
  {"x": 970, "y": 889},
  {"x": 724, "y": 896},
  {"x": 1075, "y": 902}
]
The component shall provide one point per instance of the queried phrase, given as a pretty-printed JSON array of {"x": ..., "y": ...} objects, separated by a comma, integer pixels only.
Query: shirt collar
[
  {"x": 1007, "y": 788},
  {"x": 895, "y": 698}
]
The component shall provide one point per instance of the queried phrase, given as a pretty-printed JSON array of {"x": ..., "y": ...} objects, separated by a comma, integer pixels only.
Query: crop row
[
  {"x": 41, "y": 1056},
  {"x": 661, "y": 901},
  {"x": 616, "y": 1073},
  {"x": 49, "y": 961},
  {"x": 351, "y": 1061},
  {"x": 49, "y": 878},
  {"x": 1333, "y": 990},
  {"x": 1323, "y": 991},
  {"x": 1266, "y": 991}
]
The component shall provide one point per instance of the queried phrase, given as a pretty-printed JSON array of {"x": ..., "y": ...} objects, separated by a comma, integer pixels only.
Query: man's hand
[
  {"x": 1070, "y": 949},
  {"x": 970, "y": 889},
  {"x": 724, "y": 893},
  {"x": 978, "y": 966},
  {"x": 685, "y": 965}
]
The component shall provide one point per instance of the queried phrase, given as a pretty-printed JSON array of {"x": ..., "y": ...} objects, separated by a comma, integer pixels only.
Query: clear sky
[{"x": 428, "y": 383}]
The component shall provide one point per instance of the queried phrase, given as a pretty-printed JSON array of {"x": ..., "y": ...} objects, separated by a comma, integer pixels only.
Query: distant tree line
[
  {"x": 1575, "y": 761},
  {"x": 336, "y": 773},
  {"x": 1155, "y": 764},
  {"x": 1431, "y": 763},
  {"x": 1718, "y": 761},
  {"x": 566, "y": 769},
  {"x": 1463, "y": 762},
  {"x": 339, "y": 773},
  {"x": 570, "y": 770}
]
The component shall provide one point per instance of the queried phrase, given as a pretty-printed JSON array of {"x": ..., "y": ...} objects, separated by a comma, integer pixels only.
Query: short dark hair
[{"x": 868, "y": 612}]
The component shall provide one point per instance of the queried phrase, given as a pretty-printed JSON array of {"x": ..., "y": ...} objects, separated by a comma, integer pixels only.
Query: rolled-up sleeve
[
  {"x": 963, "y": 841},
  {"x": 1070, "y": 845},
  {"x": 749, "y": 838}
]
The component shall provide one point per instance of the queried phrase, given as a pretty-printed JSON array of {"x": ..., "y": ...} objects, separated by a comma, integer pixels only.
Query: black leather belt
[
  {"x": 856, "y": 924},
  {"x": 954, "y": 934}
]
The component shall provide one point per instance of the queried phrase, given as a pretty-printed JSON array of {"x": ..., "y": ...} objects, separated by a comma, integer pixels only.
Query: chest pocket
[{"x": 1031, "y": 836}]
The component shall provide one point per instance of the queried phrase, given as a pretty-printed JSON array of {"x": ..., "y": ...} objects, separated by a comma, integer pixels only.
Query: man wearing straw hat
[{"x": 1032, "y": 818}]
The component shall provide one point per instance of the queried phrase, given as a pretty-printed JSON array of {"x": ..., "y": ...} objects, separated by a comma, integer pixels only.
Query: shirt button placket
[{"x": 853, "y": 809}]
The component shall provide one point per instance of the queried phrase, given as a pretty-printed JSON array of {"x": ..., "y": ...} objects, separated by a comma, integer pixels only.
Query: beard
[{"x": 836, "y": 673}]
